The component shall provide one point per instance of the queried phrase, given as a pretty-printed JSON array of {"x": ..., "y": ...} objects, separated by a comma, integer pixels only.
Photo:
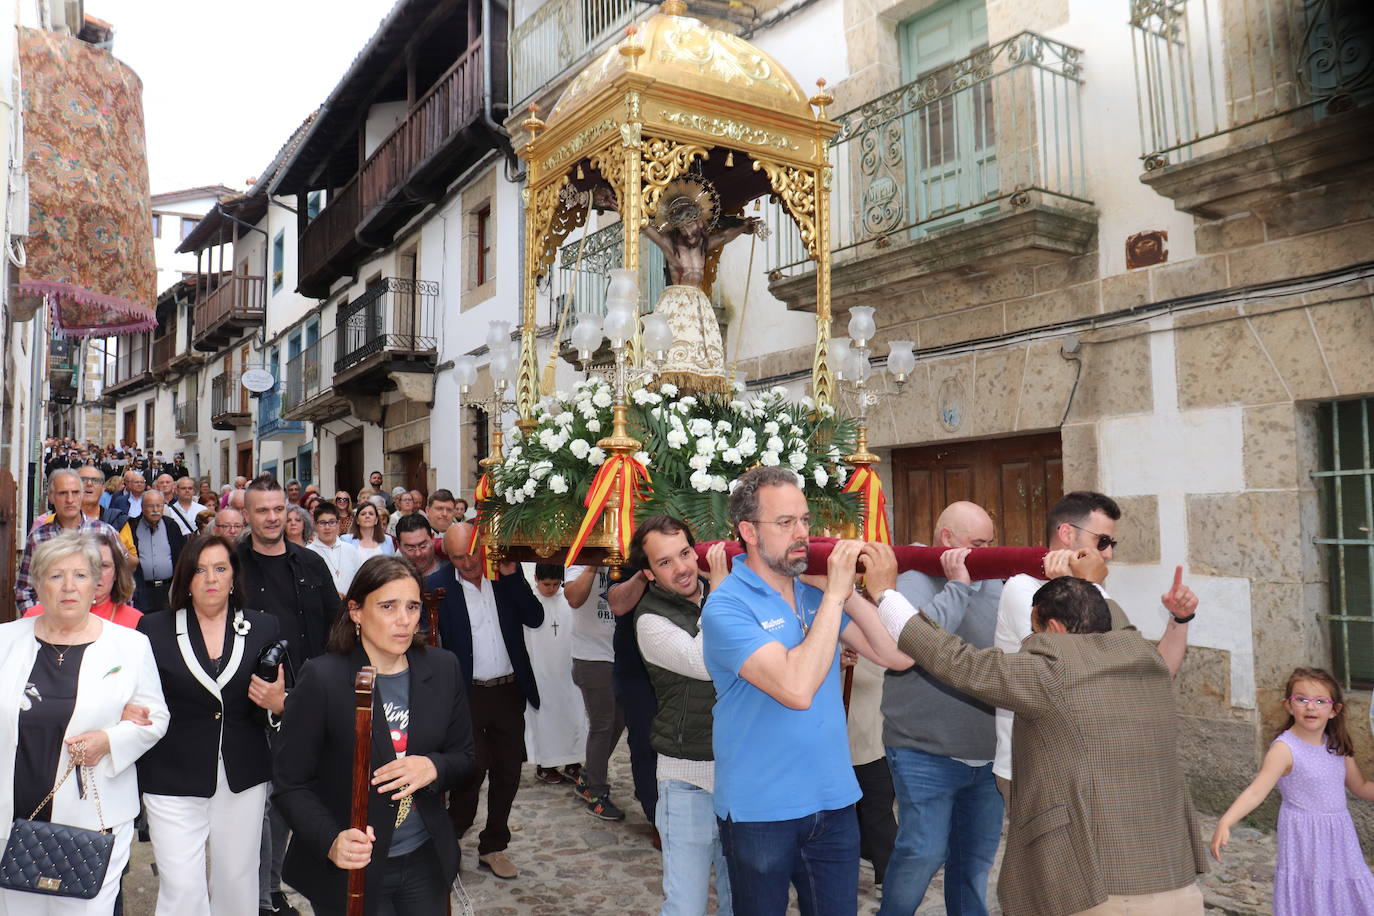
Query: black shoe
[
  {"x": 282, "y": 906},
  {"x": 606, "y": 810}
]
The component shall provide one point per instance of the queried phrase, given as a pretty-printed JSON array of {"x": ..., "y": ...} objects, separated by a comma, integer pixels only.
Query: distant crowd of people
[{"x": 1032, "y": 701}]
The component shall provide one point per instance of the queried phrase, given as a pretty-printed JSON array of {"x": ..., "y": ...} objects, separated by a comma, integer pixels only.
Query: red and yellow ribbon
[
  {"x": 869, "y": 486},
  {"x": 483, "y": 492},
  {"x": 621, "y": 474}
]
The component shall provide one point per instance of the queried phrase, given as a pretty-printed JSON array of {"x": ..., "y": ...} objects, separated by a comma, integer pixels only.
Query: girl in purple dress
[{"x": 1320, "y": 869}]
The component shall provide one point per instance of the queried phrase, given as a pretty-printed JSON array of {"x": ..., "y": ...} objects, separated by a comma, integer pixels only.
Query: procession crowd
[{"x": 216, "y": 638}]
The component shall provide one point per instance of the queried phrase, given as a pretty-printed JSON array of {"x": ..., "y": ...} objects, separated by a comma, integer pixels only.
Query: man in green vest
[{"x": 667, "y": 627}]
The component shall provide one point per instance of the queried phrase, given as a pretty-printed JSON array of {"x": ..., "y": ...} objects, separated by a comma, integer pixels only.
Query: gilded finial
[
  {"x": 821, "y": 99},
  {"x": 630, "y": 48},
  {"x": 673, "y": 8},
  {"x": 532, "y": 123}
]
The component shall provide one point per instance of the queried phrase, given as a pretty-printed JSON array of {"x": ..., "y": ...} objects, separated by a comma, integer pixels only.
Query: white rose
[
  {"x": 579, "y": 448},
  {"x": 778, "y": 391},
  {"x": 732, "y": 456},
  {"x": 699, "y": 462},
  {"x": 841, "y": 473},
  {"x": 801, "y": 481},
  {"x": 795, "y": 431},
  {"x": 564, "y": 420},
  {"x": 771, "y": 428},
  {"x": 700, "y": 481},
  {"x": 723, "y": 426},
  {"x": 602, "y": 398},
  {"x": 706, "y": 446},
  {"x": 769, "y": 458},
  {"x": 593, "y": 426},
  {"x": 557, "y": 484},
  {"x": 676, "y": 438},
  {"x": 596, "y": 457},
  {"x": 540, "y": 469},
  {"x": 774, "y": 444},
  {"x": 668, "y": 390},
  {"x": 797, "y": 460},
  {"x": 530, "y": 486},
  {"x": 807, "y": 402},
  {"x": 785, "y": 418}
]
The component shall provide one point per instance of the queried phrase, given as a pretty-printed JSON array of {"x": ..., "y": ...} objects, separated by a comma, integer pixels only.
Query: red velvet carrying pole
[
  {"x": 362, "y": 774},
  {"x": 983, "y": 563}
]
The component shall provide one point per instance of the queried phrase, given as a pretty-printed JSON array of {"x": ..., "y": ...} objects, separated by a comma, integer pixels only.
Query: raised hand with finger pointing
[{"x": 1180, "y": 600}]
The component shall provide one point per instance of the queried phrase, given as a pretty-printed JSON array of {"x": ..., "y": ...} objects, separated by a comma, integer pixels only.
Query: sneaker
[
  {"x": 573, "y": 771},
  {"x": 583, "y": 791},
  {"x": 550, "y": 776},
  {"x": 499, "y": 864},
  {"x": 282, "y": 905},
  {"x": 605, "y": 809}
]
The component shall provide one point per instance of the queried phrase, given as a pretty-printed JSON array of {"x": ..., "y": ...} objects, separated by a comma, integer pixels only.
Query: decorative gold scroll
[
  {"x": 663, "y": 161},
  {"x": 728, "y": 129},
  {"x": 796, "y": 188}
]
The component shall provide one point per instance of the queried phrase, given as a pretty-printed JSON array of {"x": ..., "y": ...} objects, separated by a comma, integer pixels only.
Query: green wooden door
[{"x": 950, "y": 134}]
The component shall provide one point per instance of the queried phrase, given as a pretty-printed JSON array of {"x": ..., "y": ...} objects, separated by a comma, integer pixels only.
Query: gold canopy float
[{"x": 674, "y": 108}]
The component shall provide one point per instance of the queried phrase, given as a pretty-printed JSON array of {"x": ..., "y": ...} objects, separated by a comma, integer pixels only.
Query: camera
[{"x": 270, "y": 659}]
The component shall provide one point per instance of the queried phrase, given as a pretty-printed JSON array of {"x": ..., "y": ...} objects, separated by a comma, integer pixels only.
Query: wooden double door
[{"x": 1016, "y": 480}]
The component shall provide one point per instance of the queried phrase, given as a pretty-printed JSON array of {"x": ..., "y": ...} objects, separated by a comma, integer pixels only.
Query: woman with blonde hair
[{"x": 66, "y": 678}]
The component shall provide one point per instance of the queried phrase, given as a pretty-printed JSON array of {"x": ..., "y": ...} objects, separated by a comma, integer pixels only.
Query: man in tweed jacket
[{"x": 1100, "y": 811}]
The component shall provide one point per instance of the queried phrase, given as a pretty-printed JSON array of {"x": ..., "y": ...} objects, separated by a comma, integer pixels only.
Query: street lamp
[
  {"x": 503, "y": 364},
  {"x": 850, "y": 359}
]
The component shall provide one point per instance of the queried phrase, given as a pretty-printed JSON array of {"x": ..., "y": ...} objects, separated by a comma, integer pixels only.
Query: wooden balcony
[
  {"x": 227, "y": 310},
  {"x": 228, "y": 402},
  {"x": 439, "y": 138},
  {"x": 164, "y": 348},
  {"x": 130, "y": 370}
]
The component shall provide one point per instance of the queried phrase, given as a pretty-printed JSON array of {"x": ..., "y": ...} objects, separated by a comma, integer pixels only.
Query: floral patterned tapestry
[{"x": 90, "y": 244}]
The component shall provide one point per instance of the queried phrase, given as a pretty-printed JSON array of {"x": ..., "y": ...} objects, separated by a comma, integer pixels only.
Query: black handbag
[{"x": 57, "y": 860}]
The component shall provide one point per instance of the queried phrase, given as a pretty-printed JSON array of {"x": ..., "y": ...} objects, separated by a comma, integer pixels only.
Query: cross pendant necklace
[{"x": 61, "y": 653}]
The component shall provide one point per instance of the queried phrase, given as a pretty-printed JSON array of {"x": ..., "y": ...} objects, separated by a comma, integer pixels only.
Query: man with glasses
[
  {"x": 130, "y": 499},
  {"x": 65, "y": 494},
  {"x": 228, "y": 522},
  {"x": 784, "y": 787},
  {"x": 184, "y": 508},
  {"x": 1082, "y": 520}
]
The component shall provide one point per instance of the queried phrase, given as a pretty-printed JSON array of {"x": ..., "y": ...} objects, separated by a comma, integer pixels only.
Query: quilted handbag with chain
[{"x": 57, "y": 860}]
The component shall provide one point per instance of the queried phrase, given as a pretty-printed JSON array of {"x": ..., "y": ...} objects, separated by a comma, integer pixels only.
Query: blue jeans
[
  {"x": 817, "y": 854},
  {"x": 691, "y": 845},
  {"x": 950, "y": 814}
]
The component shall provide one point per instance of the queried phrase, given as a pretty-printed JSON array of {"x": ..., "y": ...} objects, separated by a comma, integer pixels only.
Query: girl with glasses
[{"x": 1320, "y": 867}]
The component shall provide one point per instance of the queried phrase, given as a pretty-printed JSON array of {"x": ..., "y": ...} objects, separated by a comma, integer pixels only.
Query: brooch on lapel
[
  {"x": 115, "y": 670},
  {"x": 241, "y": 626}
]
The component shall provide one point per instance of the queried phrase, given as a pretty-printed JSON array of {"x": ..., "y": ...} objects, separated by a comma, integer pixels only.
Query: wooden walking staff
[
  {"x": 362, "y": 774},
  {"x": 432, "y": 601}
]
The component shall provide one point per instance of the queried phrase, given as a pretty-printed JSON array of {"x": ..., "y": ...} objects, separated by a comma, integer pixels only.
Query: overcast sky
[{"x": 225, "y": 84}]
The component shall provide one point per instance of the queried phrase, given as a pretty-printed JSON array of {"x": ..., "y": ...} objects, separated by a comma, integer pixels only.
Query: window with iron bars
[{"x": 1345, "y": 481}]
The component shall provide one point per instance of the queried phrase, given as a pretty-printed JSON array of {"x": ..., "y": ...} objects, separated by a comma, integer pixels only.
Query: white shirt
[
  {"x": 593, "y": 629},
  {"x": 343, "y": 560},
  {"x": 489, "y": 656},
  {"x": 669, "y": 646},
  {"x": 188, "y": 526}
]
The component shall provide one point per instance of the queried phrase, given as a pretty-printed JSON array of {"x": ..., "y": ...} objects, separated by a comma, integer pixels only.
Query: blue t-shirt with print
[{"x": 772, "y": 763}]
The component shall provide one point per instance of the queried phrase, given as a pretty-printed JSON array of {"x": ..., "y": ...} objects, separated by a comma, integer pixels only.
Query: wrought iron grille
[
  {"x": 309, "y": 373},
  {"x": 987, "y": 133},
  {"x": 1345, "y": 480},
  {"x": 603, "y": 251},
  {"x": 393, "y": 315}
]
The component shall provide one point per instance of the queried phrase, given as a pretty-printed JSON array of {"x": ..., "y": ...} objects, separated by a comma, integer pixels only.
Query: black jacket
[
  {"x": 203, "y": 725},
  {"x": 516, "y": 606},
  {"x": 305, "y": 616},
  {"x": 313, "y": 780}
]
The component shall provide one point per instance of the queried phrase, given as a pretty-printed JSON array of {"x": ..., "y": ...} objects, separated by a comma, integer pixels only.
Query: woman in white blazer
[{"x": 47, "y": 709}]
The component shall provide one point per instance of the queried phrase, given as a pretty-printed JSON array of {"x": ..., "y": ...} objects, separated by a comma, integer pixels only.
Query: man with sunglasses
[{"x": 1082, "y": 520}]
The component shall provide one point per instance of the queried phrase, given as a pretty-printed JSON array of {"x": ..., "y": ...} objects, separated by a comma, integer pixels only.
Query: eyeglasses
[
  {"x": 230, "y": 529},
  {"x": 324, "y": 522},
  {"x": 1103, "y": 541},
  {"x": 342, "y": 500},
  {"x": 787, "y": 522},
  {"x": 93, "y": 481},
  {"x": 1319, "y": 703}
]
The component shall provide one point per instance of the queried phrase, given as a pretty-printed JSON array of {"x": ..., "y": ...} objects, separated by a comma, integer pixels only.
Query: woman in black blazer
[
  {"x": 214, "y": 766},
  {"x": 421, "y": 747}
]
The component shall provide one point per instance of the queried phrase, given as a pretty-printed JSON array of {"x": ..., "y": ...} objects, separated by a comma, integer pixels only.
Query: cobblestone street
[{"x": 574, "y": 865}]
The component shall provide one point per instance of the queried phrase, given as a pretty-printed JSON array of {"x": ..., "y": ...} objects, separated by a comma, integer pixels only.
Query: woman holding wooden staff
[{"x": 421, "y": 746}]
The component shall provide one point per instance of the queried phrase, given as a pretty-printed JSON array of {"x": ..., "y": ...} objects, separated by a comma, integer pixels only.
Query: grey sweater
[{"x": 923, "y": 713}]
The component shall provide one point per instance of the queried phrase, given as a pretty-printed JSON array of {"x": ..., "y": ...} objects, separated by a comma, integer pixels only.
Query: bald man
[{"x": 940, "y": 743}]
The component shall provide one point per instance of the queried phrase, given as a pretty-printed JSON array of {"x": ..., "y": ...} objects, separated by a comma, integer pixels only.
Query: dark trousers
[
  {"x": 413, "y": 885},
  {"x": 498, "y": 733},
  {"x": 635, "y": 694},
  {"x": 604, "y": 720},
  {"x": 877, "y": 824},
  {"x": 153, "y": 597}
]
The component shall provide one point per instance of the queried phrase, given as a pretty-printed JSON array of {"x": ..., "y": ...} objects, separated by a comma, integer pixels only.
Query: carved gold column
[
  {"x": 527, "y": 381},
  {"x": 822, "y": 379}
]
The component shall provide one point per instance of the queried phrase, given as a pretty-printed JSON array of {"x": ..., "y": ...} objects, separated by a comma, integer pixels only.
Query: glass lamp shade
[
  {"x": 900, "y": 360},
  {"x": 624, "y": 285},
  {"x": 861, "y": 324},
  {"x": 586, "y": 336},
  {"x": 658, "y": 337},
  {"x": 857, "y": 367},
  {"x": 620, "y": 324},
  {"x": 465, "y": 368},
  {"x": 839, "y": 356},
  {"x": 502, "y": 366},
  {"x": 498, "y": 333}
]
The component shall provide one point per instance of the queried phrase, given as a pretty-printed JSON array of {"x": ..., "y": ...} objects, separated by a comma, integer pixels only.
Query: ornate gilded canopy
[{"x": 672, "y": 98}]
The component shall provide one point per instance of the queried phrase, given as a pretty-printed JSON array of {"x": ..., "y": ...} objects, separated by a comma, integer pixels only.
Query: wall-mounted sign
[{"x": 257, "y": 380}]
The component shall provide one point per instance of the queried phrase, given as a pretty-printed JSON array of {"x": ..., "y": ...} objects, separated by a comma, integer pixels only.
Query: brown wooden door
[
  {"x": 1016, "y": 480},
  {"x": 131, "y": 427},
  {"x": 245, "y": 460},
  {"x": 243, "y": 392},
  {"x": 415, "y": 471},
  {"x": 348, "y": 465}
]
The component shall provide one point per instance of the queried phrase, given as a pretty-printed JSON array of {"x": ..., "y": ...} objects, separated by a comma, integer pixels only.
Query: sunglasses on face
[{"x": 1103, "y": 541}]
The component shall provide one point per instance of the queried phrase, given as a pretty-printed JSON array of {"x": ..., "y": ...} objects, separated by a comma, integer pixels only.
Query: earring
[{"x": 357, "y": 629}]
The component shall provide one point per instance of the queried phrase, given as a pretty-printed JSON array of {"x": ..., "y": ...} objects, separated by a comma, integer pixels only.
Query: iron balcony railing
[
  {"x": 584, "y": 288},
  {"x": 980, "y": 136},
  {"x": 562, "y": 34},
  {"x": 228, "y": 398},
  {"x": 1207, "y": 69},
  {"x": 187, "y": 417},
  {"x": 270, "y": 419},
  {"x": 394, "y": 315},
  {"x": 310, "y": 373}
]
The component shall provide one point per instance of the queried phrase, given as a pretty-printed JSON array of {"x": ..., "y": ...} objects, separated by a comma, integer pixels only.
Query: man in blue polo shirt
[{"x": 785, "y": 789}]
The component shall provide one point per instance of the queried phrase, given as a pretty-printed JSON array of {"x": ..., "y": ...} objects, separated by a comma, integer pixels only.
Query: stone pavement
[{"x": 572, "y": 864}]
